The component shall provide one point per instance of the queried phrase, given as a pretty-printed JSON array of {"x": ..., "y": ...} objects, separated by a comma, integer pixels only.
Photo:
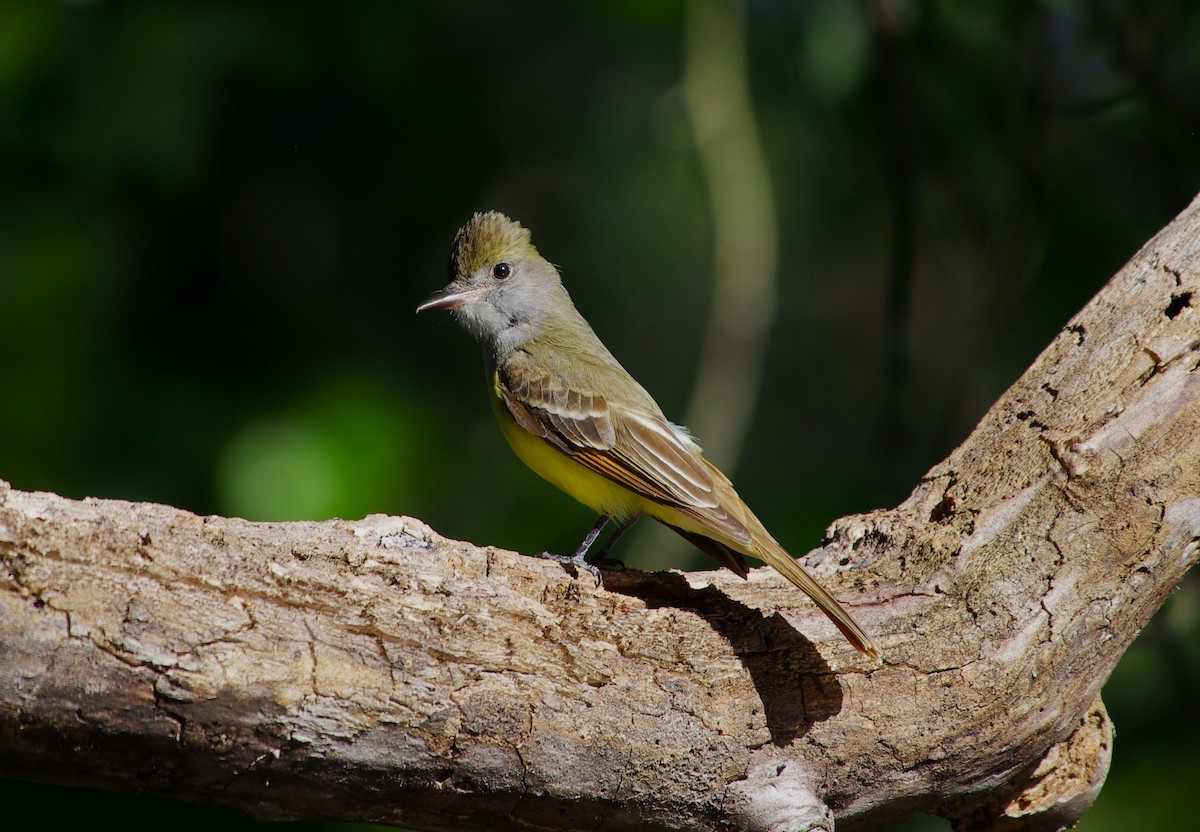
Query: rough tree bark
[{"x": 373, "y": 670}]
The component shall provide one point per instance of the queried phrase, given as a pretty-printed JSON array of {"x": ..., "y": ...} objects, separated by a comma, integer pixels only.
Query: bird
[{"x": 571, "y": 412}]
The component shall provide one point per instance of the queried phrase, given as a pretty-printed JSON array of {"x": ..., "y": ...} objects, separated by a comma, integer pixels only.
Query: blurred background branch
[{"x": 716, "y": 89}]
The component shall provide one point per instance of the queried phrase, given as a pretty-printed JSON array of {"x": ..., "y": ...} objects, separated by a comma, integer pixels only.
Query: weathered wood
[{"x": 372, "y": 670}]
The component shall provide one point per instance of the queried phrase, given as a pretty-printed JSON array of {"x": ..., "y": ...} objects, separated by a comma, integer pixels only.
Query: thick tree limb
[{"x": 373, "y": 670}]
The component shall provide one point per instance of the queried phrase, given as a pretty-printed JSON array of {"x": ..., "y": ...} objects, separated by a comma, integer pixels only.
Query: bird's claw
[{"x": 577, "y": 562}]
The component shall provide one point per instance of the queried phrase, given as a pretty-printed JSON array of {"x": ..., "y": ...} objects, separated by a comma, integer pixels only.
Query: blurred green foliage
[{"x": 216, "y": 220}]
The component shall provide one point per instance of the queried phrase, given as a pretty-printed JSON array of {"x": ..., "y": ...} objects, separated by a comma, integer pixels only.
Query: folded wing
[{"x": 630, "y": 445}]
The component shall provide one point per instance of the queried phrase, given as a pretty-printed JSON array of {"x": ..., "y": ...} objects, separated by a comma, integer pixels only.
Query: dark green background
[{"x": 216, "y": 220}]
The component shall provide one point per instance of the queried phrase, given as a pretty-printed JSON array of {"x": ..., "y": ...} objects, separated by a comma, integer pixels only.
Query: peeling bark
[{"x": 375, "y": 671}]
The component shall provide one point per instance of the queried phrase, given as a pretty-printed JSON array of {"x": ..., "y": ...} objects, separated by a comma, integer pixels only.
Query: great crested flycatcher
[{"x": 574, "y": 416}]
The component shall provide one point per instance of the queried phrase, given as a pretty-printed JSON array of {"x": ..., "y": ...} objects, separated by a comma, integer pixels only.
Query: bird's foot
[{"x": 577, "y": 562}]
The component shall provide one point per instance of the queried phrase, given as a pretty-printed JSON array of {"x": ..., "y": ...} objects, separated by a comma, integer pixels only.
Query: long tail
[
  {"x": 765, "y": 547},
  {"x": 776, "y": 557}
]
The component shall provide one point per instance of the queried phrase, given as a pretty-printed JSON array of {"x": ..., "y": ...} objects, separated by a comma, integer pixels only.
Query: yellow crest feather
[{"x": 487, "y": 238}]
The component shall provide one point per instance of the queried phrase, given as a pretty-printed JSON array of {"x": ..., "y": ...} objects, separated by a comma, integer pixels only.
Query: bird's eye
[{"x": 501, "y": 271}]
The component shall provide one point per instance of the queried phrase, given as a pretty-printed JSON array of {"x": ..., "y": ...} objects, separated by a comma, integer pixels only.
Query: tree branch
[{"x": 374, "y": 671}]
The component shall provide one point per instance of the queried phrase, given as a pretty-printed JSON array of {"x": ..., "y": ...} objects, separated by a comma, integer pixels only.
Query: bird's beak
[{"x": 448, "y": 298}]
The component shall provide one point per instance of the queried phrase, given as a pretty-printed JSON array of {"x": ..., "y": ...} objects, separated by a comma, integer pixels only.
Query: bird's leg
[
  {"x": 600, "y": 559},
  {"x": 579, "y": 559},
  {"x": 590, "y": 538}
]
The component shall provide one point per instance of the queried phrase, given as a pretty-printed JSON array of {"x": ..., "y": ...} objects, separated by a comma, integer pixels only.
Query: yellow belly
[{"x": 597, "y": 492}]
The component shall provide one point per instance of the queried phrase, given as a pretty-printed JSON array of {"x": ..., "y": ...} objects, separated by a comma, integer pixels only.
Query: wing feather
[{"x": 633, "y": 447}]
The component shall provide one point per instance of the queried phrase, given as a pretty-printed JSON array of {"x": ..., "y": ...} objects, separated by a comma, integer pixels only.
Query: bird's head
[{"x": 500, "y": 288}]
